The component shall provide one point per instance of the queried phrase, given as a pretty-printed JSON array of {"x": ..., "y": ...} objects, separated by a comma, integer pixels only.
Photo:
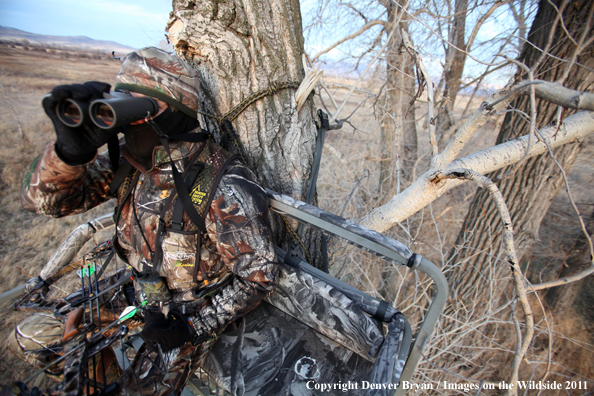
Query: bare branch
[
  {"x": 554, "y": 93},
  {"x": 359, "y": 32},
  {"x": 501, "y": 99},
  {"x": 429, "y": 186},
  {"x": 512, "y": 258},
  {"x": 560, "y": 16},
  {"x": 438, "y": 35},
  {"x": 431, "y": 107},
  {"x": 481, "y": 20},
  {"x": 565, "y": 281}
]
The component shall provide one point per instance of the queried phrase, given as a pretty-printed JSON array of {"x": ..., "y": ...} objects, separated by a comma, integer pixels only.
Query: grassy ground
[{"x": 28, "y": 240}]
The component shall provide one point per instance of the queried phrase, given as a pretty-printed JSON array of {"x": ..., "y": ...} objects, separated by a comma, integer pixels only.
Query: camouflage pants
[
  {"x": 153, "y": 373},
  {"x": 37, "y": 341}
]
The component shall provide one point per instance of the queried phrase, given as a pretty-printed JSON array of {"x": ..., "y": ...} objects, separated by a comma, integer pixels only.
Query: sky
[{"x": 136, "y": 23}]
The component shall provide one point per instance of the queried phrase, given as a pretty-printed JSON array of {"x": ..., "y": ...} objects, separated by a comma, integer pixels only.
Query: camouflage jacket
[{"x": 238, "y": 238}]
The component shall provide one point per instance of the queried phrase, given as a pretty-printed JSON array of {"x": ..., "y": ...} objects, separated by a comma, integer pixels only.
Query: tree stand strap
[{"x": 273, "y": 88}]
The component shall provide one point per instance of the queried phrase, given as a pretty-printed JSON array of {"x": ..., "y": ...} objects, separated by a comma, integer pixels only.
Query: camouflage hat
[{"x": 161, "y": 75}]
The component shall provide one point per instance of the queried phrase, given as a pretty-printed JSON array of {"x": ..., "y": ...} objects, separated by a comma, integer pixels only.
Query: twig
[
  {"x": 321, "y": 98},
  {"x": 516, "y": 325},
  {"x": 430, "y": 98},
  {"x": 24, "y": 273},
  {"x": 550, "y": 334},
  {"x": 323, "y": 85},
  {"x": 454, "y": 374},
  {"x": 366, "y": 173},
  {"x": 359, "y": 32},
  {"x": 444, "y": 40},
  {"x": 560, "y": 16},
  {"x": 443, "y": 261},
  {"x": 398, "y": 143}
]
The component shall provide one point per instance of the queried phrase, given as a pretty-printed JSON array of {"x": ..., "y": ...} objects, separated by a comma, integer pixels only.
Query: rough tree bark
[
  {"x": 239, "y": 47},
  {"x": 398, "y": 128},
  {"x": 454, "y": 66},
  {"x": 580, "y": 295},
  {"x": 531, "y": 189}
]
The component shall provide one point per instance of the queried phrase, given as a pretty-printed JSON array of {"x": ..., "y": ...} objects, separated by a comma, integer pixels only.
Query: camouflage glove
[
  {"x": 171, "y": 332},
  {"x": 35, "y": 283},
  {"x": 77, "y": 145}
]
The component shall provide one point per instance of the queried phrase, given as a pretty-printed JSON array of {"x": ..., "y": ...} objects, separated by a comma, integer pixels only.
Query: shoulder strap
[
  {"x": 129, "y": 181},
  {"x": 198, "y": 262},
  {"x": 178, "y": 210},
  {"x": 120, "y": 175},
  {"x": 113, "y": 148},
  {"x": 180, "y": 187}
]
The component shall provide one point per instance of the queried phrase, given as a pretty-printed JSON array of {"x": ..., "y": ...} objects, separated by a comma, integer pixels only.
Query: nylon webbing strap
[
  {"x": 113, "y": 148},
  {"x": 311, "y": 188},
  {"x": 178, "y": 209},
  {"x": 120, "y": 175},
  {"x": 198, "y": 263},
  {"x": 382, "y": 308},
  {"x": 315, "y": 169},
  {"x": 411, "y": 260}
]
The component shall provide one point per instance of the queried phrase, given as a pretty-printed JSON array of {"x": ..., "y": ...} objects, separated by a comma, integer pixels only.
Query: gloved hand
[
  {"x": 35, "y": 283},
  {"x": 171, "y": 332},
  {"x": 77, "y": 145}
]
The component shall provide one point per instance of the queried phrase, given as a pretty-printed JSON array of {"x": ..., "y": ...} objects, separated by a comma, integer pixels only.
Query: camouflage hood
[{"x": 161, "y": 75}]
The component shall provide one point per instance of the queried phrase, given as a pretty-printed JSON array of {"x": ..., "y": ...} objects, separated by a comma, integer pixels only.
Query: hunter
[{"x": 207, "y": 279}]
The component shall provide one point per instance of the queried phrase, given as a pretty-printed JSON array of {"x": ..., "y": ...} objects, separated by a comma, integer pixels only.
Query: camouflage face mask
[{"x": 142, "y": 139}]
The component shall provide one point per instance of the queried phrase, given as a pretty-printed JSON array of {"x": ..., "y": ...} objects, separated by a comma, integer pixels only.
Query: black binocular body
[{"x": 115, "y": 110}]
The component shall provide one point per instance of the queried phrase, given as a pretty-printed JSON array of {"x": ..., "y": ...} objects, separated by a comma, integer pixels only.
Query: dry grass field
[
  {"x": 348, "y": 186},
  {"x": 27, "y": 240}
]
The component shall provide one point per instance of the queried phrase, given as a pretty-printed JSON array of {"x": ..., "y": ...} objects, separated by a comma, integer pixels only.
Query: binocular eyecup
[
  {"x": 73, "y": 113},
  {"x": 116, "y": 110}
]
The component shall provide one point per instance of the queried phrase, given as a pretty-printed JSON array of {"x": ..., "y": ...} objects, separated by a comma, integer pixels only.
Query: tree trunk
[
  {"x": 579, "y": 295},
  {"x": 398, "y": 130},
  {"x": 239, "y": 47},
  {"x": 409, "y": 144},
  {"x": 454, "y": 66}
]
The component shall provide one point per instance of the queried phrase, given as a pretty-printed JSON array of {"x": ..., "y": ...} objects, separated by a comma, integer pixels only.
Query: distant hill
[{"x": 10, "y": 34}]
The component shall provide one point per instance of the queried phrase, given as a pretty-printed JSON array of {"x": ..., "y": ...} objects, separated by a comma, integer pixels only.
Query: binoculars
[{"x": 115, "y": 110}]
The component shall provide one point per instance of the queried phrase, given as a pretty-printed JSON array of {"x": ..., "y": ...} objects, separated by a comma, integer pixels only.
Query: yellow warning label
[{"x": 196, "y": 195}]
